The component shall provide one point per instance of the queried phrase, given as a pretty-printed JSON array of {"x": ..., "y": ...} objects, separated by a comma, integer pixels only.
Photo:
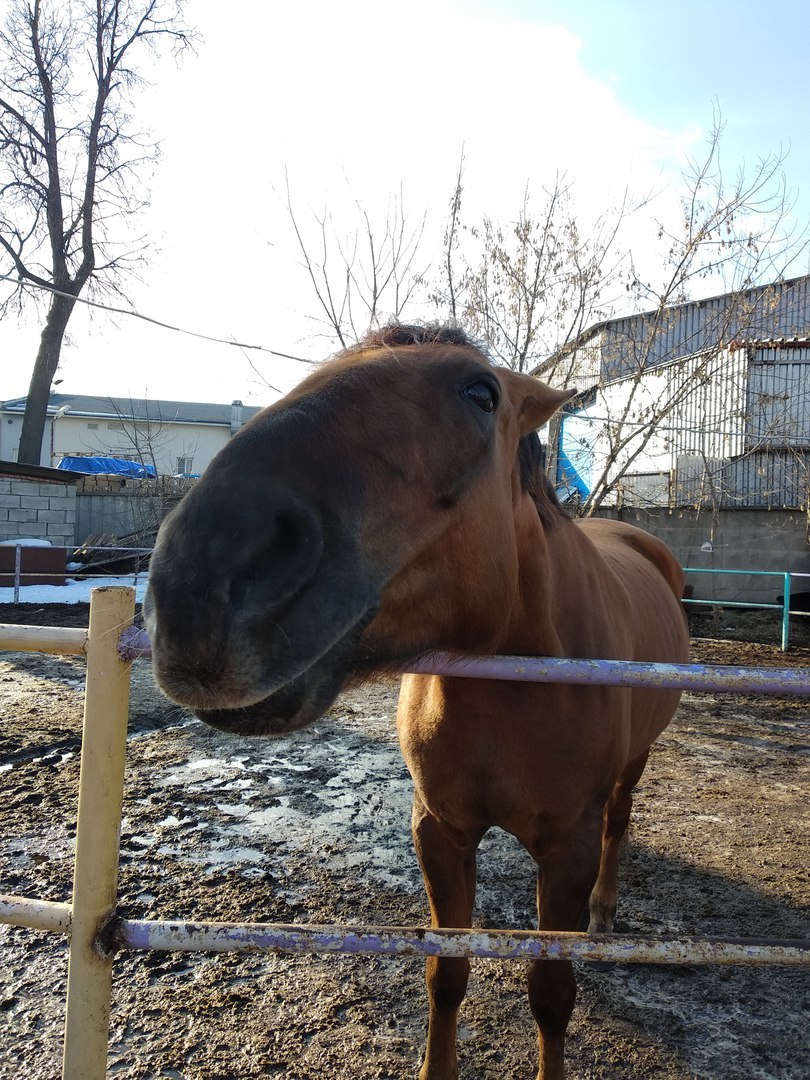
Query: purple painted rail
[
  {"x": 418, "y": 941},
  {"x": 135, "y": 644}
]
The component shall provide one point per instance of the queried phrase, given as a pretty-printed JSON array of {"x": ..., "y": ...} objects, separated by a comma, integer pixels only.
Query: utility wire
[{"x": 155, "y": 322}]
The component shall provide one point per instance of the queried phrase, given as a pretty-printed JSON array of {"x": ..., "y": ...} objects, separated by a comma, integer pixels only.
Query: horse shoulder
[{"x": 621, "y": 544}]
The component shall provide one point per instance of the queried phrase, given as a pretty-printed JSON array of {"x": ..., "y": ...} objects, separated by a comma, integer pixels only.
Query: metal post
[
  {"x": 101, "y": 786},
  {"x": 17, "y": 567},
  {"x": 786, "y": 614}
]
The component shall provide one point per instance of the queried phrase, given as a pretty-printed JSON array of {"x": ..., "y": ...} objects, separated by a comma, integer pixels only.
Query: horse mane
[
  {"x": 531, "y": 452},
  {"x": 434, "y": 333},
  {"x": 534, "y": 479}
]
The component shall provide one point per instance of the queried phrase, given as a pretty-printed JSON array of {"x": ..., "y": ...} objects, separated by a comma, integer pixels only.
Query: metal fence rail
[
  {"x": 490, "y": 944},
  {"x": 17, "y": 573},
  {"x": 785, "y": 607},
  {"x": 96, "y": 933},
  {"x": 551, "y": 669}
]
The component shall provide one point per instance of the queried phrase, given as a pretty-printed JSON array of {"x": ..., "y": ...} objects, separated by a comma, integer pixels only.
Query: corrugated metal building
[
  {"x": 699, "y": 404},
  {"x": 618, "y": 347}
]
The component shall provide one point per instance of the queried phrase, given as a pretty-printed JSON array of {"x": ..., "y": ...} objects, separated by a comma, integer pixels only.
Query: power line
[{"x": 155, "y": 322}]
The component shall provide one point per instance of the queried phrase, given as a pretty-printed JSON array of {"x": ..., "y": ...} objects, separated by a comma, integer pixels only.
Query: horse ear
[{"x": 536, "y": 401}]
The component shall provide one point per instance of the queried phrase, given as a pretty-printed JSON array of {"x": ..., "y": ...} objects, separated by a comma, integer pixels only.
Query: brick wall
[{"x": 43, "y": 509}]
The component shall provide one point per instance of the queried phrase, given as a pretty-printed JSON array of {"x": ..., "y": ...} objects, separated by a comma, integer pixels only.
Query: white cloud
[{"x": 353, "y": 100}]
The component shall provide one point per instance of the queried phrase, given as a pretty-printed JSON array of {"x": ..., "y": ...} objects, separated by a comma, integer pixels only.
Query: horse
[{"x": 393, "y": 505}]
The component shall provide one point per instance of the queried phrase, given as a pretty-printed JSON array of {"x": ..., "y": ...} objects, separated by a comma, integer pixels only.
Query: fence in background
[
  {"x": 96, "y": 932},
  {"x": 784, "y": 607},
  {"x": 20, "y": 575}
]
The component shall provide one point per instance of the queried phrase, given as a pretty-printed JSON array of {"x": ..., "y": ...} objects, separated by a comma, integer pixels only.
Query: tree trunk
[{"x": 39, "y": 390}]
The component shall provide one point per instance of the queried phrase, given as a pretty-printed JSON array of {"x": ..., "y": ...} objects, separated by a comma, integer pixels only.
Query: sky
[{"x": 347, "y": 104}]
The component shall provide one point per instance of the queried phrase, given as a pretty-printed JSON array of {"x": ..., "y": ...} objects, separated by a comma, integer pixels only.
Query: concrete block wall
[
  {"x": 110, "y": 506},
  {"x": 773, "y": 540},
  {"x": 43, "y": 509}
]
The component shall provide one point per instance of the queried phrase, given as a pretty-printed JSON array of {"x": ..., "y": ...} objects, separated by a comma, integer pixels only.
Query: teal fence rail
[{"x": 785, "y": 609}]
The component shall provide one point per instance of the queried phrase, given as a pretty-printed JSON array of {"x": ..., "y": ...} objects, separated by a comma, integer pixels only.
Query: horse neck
[{"x": 532, "y": 628}]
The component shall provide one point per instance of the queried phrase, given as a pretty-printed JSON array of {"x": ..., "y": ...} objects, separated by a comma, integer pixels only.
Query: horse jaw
[
  {"x": 299, "y": 702},
  {"x": 261, "y": 699}
]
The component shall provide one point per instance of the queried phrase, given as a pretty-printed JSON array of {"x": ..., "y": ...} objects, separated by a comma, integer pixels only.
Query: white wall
[{"x": 74, "y": 435}]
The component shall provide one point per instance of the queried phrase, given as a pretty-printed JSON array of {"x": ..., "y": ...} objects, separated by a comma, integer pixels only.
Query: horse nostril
[
  {"x": 281, "y": 561},
  {"x": 290, "y": 540}
]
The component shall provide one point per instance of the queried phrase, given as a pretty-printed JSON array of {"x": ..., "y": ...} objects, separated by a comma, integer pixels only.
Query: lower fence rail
[
  {"x": 183, "y": 936},
  {"x": 97, "y": 933},
  {"x": 427, "y": 941}
]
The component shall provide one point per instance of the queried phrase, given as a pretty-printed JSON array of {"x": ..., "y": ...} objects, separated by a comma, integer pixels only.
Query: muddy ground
[{"x": 314, "y": 829}]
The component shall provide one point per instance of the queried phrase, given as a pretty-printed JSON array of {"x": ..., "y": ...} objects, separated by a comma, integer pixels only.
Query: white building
[
  {"x": 698, "y": 404},
  {"x": 176, "y": 437}
]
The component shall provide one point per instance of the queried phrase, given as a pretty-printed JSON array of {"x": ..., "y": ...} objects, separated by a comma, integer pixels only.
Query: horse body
[
  {"x": 554, "y": 765},
  {"x": 394, "y": 508}
]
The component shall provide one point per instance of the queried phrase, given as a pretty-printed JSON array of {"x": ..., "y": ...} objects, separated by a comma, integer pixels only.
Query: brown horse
[{"x": 391, "y": 505}]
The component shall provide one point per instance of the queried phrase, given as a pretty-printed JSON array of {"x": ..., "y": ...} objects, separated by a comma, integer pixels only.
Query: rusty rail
[
  {"x": 419, "y": 941},
  {"x": 548, "y": 669}
]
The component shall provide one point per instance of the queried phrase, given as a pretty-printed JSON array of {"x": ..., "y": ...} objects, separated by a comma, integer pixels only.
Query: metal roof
[
  {"x": 37, "y": 472},
  {"x": 770, "y": 343},
  {"x": 777, "y": 311},
  {"x": 118, "y": 408}
]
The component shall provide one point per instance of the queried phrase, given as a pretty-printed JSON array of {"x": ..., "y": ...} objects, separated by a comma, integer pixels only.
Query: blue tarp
[
  {"x": 574, "y": 458},
  {"x": 109, "y": 465}
]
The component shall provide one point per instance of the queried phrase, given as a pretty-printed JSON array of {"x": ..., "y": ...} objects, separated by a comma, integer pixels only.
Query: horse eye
[{"x": 482, "y": 394}]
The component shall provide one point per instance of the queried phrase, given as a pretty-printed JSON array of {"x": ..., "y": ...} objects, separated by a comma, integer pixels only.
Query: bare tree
[
  {"x": 542, "y": 293},
  {"x": 452, "y": 286},
  {"x": 71, "y": 159},
  {"x": 363, "y": 276},
  {"x": 648, "y": 371},
  {"x": 528, "y": 287},
  {"x": 146, "y": 439}
]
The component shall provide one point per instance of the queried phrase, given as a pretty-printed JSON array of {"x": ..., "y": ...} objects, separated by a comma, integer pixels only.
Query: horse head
[{"x": 366, "y": 517}]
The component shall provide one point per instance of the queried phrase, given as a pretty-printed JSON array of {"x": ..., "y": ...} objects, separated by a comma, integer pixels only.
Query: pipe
[
  {"x": 410, "y": 941},
  {"x": 35, "y": 914},
  {"x": 135, "y": 644},
  {"x": 42, "y": 639},
  {"x": 703, "y": 677}
]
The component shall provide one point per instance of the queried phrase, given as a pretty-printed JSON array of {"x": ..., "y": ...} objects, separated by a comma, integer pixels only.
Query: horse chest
[{"x": 524, "y": 756}]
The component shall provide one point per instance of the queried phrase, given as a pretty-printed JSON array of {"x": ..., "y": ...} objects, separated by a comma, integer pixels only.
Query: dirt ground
[{"x": 313, "y": 828}]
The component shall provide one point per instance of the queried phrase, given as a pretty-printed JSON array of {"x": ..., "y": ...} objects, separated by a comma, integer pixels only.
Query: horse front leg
[
  {"x": 564, "y": 881},
  {"x": 447, "y": 859},
  {"x": 616, "y": 819}
]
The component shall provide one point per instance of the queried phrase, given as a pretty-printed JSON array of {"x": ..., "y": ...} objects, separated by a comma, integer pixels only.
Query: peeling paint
[
  {"x": 422, "y": 941},
  {"x": 134, "y": 644}
]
